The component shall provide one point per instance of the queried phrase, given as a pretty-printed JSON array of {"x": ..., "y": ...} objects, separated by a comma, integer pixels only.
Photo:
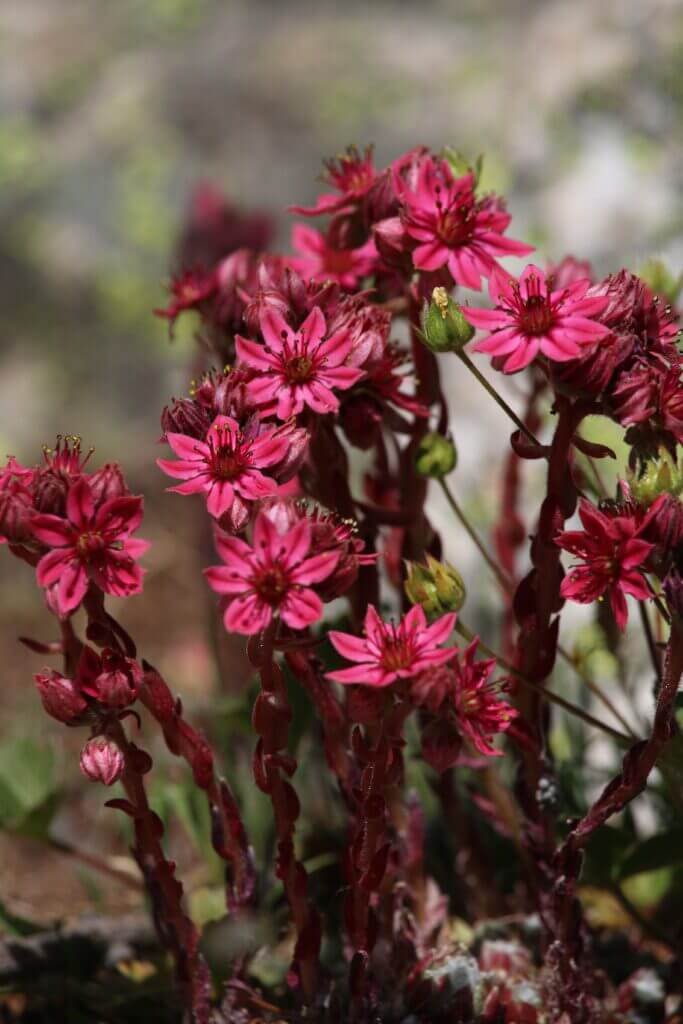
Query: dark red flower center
[
  {"x": 299, "y": 369},
  {"x": 89, "y": 544},
  {"x": 271, "y": 584},
  {"x": 229, "y": 455},
  {"x": 397, "y": 653},
  {"x": 455, "y": 219},
  {"x": 536, "y": 315}
]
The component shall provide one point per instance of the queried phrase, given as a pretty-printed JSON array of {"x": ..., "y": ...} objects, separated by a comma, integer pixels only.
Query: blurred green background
[{"x": 111, "y": 111}]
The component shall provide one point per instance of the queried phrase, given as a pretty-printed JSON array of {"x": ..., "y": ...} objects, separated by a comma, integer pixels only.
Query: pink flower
[
  {"x": 226, "y": 467},
  {"x": 297, "y": 368},
  {"x": 353, "y": 174},
  {"x": 90, "y": 544},
  {"x": 319, "y": 260},
  {"x": 388, "y": 652},
  {"x": 612, "y": 554},
  {"x": 530, "y": 318},
  {"x": 272, "y": 577},
  {"x": 451, "y": 226}
]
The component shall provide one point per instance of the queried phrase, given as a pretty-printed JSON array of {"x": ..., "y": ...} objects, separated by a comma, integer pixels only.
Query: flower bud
[
  {"x": 444, "y": 328},
  {"x": 61, "y": 699},
  {"x": 107, "y": 483},
  {"x": 438, "y": 587},
  {"x": 102, "y": 761},
  {"x": 656, "y": 476},
  {"x": 660, "y": 280},
  {"x": 50, "y": 488},
  {"x": 111, "y": 678},
  {"x": 185, "y": 416},
  {"x": 460, "y": 165},
  {"x": 16, "y": 510},
  {"x": 436, "y": 456}
]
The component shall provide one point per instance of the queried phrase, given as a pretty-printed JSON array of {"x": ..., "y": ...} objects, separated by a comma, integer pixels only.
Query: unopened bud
[
  {"x": 444, "y": 328},
  {"x": 438, "y": 587},
  {"x": 660, "y": 280},
  {"x": 107, "y": 483},
  {"x": 461, "y": 165},
  {"x": 657, "y": 476},
  {"x": 102, "y": 761},
  {"x": 436, "y": 456},
  {"x": 61, "y": 698}
]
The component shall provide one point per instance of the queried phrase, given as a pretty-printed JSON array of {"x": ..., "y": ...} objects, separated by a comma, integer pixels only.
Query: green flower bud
[
  {"x": 659, "y": 278},
  {"x": 460, "y": 165},
  {"x": 438, "y": 587},
  {"x": 436, "y": 456},
  {"x": 444, "y": 328},
  {"x": 656, "y": 476}
]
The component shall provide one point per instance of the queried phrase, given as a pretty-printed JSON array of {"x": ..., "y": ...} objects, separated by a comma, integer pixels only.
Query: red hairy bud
[{"x": 60, "y": 696}]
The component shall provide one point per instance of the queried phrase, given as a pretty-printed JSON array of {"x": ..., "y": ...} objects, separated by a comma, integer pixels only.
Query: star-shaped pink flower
[
  {"x": 297, "y": 369},
  {"x": 388, "y": 652}
]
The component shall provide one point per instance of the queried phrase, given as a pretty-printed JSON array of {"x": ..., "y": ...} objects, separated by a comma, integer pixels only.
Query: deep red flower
[
  {"x": 16, "y": 502},
  {"x": 352, "y": 174},
  {"x": 613, "y": 555},
  {"x": 188, "y": 290},
  {"x": 388, "y": 652},
  {"x": 533, "y": 317},
  {"x": 320, "y": 260},
  {"x": 90, "y": 544},
  {"x": 110, "y": 678},
  {"x": 271, "y": 577},
  {"x": 451, "y": 226},
  {"x": 463, "y": 688}
]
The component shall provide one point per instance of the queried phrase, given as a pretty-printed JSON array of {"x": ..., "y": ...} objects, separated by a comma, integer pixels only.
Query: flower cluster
[
  {"x": 75, "y": 526},
  {"x": 324, "y": 353}
]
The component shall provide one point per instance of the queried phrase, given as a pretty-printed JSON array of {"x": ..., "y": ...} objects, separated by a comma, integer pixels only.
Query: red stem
[
  {"x": 271, "y": 717},
  {"x": 166, "y": 892}
]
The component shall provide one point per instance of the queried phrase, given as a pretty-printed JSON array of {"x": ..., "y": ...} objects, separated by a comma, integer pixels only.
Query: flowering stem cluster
[{"x": 312, "y": 375}]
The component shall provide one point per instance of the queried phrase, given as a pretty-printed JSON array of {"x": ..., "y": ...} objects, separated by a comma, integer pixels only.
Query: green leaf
[
  {"x": 660, "y": 851},
  {"x": 28, "y": 786}
]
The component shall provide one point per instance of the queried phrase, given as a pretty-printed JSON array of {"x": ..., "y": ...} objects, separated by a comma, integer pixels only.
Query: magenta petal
[
  {"x": 369, "y": 675},
  {"x": 274, "y": 329},
  {"x": 301, "y": 607},
  {"x": 619, "y": 607},
  {"x": 51, "y": 566},
  {"x": 317, "y": 568},
  {"x": 252, "y": 354},
  {"x": 247, "y": 615},
  {"x": 441, "y": 629},
  {"x": 187, "y": 447},
  {"x": 225, "y": 581},
  {"x": 353, "y": 648},
  {"x": 219, "y": 498},
  {"x": 430, "y": 255},
  {"x": 72, "y": 586},
  {"x": 80, "y": 506},
  {"x": 52, "y": 531},
  {"x": 234, "y": 551}
]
